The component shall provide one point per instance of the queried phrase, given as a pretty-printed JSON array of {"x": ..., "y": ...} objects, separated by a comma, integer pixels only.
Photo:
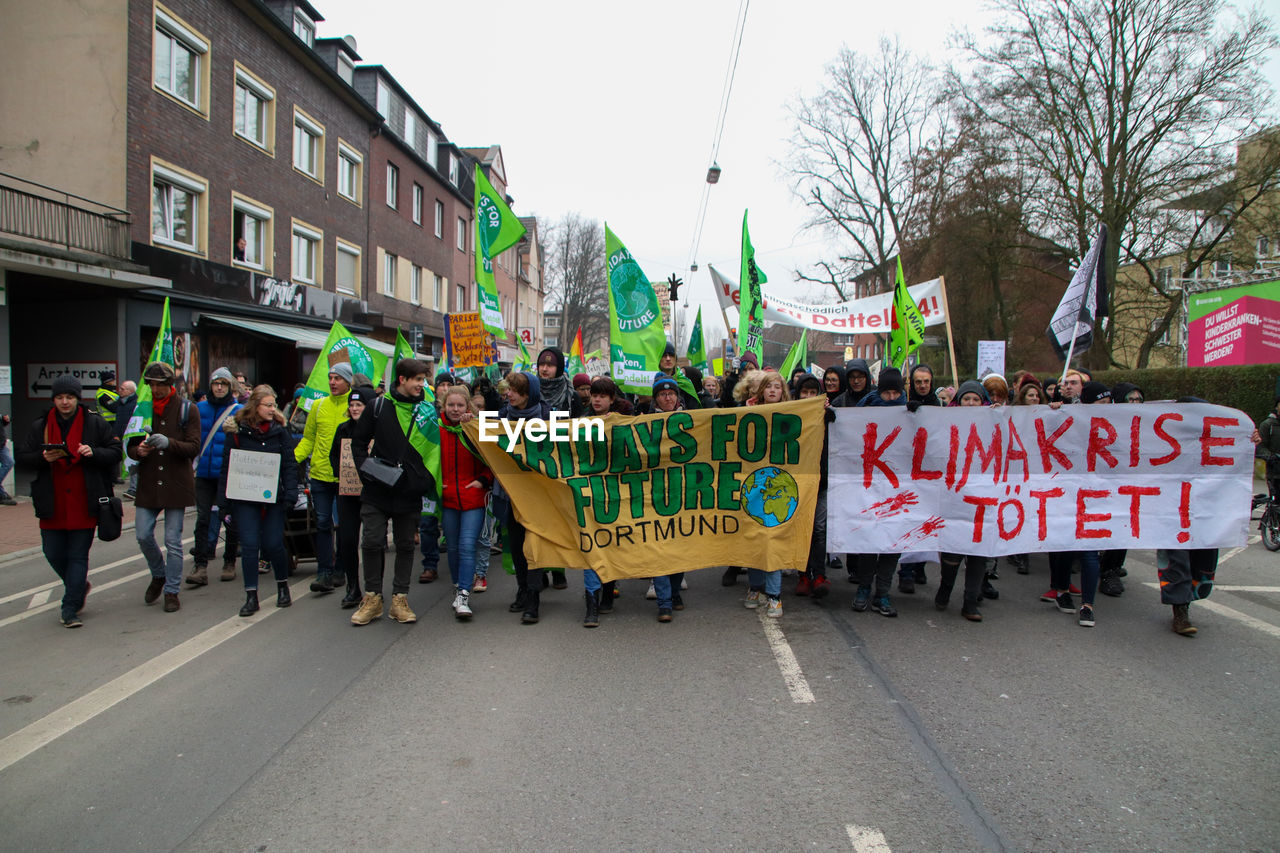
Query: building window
[
  {"x": 462, "y": 234},
  {"x": 1221, "y": 268},
  {"x": 308, "y": 146},
  {"x": 439, "y": 300},
  {"x": 1164, "y": 276},
  {"x": 306, "y": 253},
  {"x": 177, "y": 200},
  {"x": 179, "y": 60},
  {"x": 389, "y": 262},
  {"x": 417, "y": 204},
  {"x": 393, "y": 185},
  {"x": 460, "y": 299},
  {"x": 440, "y": 219},
  {"x": 304, "y": 28},
  {"x": 350, "y": 164},
  {"x": 346, "y": 69},
  {"x": 415, "y": 285},
  {"x": 454, "y": 169},
  {"x": 253, "y": 109},
  {"x": 250, "y": 222},
  {"x": 347, "y": 269},
  {"x": 433, "y": 150},
  {"x": 410, "y": 127}
]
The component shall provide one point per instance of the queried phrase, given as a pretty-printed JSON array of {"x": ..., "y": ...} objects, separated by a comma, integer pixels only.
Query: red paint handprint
[
  {"x": 929, "y": 528},
  {"x": 895, "y": 505}
]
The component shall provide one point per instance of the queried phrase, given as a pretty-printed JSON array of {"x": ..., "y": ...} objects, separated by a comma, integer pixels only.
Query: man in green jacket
[{"x": 323, "y": 421}]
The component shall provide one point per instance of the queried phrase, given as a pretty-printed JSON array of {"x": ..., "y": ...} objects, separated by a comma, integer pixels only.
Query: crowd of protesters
[{"x": 349, "y": 462}]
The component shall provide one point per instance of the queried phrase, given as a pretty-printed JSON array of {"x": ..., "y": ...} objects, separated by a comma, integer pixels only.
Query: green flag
[
  {"x": 797, "y": 356},
  {"x": 402, "y": 350},
  {"x": 697, "y": 349},
  {"x": 424, "y": 437},
  {"x": 525, "y": 363},
  {"x": 907, "y": 331},
  {"x": 161, "y": 350},
  {"x": 497, "y": 229},
  {"x": 636, "y": 336},
  {"x": 751, "y": 302},
  {"x": 341, "y": 346},
  {"x": 683, "y": 383}
]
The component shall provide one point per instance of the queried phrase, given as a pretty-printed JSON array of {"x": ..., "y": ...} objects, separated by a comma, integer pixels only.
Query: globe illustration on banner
[
  {"x": 770, "y": 496},
  {"x": 633, "y": 297}
]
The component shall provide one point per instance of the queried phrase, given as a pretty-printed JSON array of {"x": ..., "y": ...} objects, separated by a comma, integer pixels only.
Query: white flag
[{"x": 1083, "y": 303}]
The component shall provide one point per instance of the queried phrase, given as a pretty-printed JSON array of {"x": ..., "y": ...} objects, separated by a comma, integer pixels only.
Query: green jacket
[{"x": 323, "y": 422}]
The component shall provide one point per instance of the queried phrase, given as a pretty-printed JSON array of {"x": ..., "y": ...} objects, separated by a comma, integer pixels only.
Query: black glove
[{"x": 912, "y": 405}]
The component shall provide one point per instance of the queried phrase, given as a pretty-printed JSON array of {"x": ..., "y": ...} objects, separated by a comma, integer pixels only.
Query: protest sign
[
  {"x": 990, "y": 358},
  {"x": 253, "y": 476},
  {"x": 680, "y": 491},
  {"x": 467, "y": 341},
  {"x": 1022, "y": 479},
  {"x": 348, "y": 475}
]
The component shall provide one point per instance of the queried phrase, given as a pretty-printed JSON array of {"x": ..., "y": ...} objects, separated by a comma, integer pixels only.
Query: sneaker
[
  {"x": 821, "y": 587},
  {"x": 803, "y": 586},
  {"x": 993, "y": 573},
  {"x": 906, "y": 585},
  {"x": 400, "y": 610},
  {"x": 129, "y": 496},
  {"x": 263, "y": 567},
  {"x": 862, "y": 598},
  {"x": 370, "y": 609},
  {"x": 1086, "y": 616},
  {"x": 481, "y": 585},
  {"x": 70, "y": 620},
  {"x": 1066, "y": 603},
  {"x": 1111, "y": 585},
  {"x": 834, "y": 563},
  {"x": 1073, "y": 589},
  {"x": 883, "y": 606},
  {"x": 462, "y": 605},
  {"x": 773, "y": 608},
  {"x": 8, "y": 500},
  {"x": 684, "y": 583},
  {"x": 1049, "y": 595},
  {"x": 753, "y": 599},
  {"x": 664, "y": 614},
  {"x": 650, "y": 594}
]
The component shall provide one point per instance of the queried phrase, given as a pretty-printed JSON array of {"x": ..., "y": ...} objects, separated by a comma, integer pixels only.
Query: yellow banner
[{"x": 637, "y": 497}]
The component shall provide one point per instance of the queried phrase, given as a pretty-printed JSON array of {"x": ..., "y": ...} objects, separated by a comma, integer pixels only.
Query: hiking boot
[
  {"x": 153, "y": 590},
  {"x": 517, "y": 606},
  {"x": 804, "y": 587},
  {"x": 250, "y": 603},
  {"x": 1111, "y": 585},
  {"x": 228, "y": 570},
  {"x": 730, "y": 576},
  {"x": 428, "y": 576},
  {"x": 370, "y": 609},
  {"x": 462, "y": 605},
  {"x": 399, "y": 609},
  {"x": 592, "y": 617},
  {"x": 753, "y": 599},
  {"x": 1182, "y": 621},
  {"x": 199, "y": 575},
  {"x": 884, "y": 607},
  {"x": 862, "y": 598},
  {"x": 773, "y": 608},
  {"x": 171, "y": 603},
  {"x": 1086, "y": 618},
  {"x": 821, "y": 587},
  {"x": 677, "y": 603},
  {"x": 906, "y": 584},
  {"x": 283, "y": 599},
  {"x": 322, "y": 584},
  {"x": 353, "y": 596}
]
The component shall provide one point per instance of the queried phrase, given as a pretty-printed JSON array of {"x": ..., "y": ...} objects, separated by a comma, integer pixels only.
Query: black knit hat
[
  {"x": 890, "y": 380},
  {"x": 1092, "y": 392},
  {"x": 67, "y": 384},
  {"x": 364, "y": 394}
]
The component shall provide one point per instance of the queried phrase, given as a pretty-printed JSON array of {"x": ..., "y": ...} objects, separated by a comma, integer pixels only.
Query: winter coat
[
  {"x": 98, "y": 470},
  {"x": 850, "y": 398},
  {"x": 535, "y": 408},
  {"x": 124, "y": 413},
  {"x": 239, "y": 435},
  {"x": 832, "y": 395},
  {"x": 209, "y": 465},
  {"x": 557, "y": 391},
  {"x": 346, "y": 430},
  {"x": 970, "y": 386},
  {"x": 460, "y": 466},
  {"x": 165, "y": 477},
  {"x": 1269, "y": 449},
  {"x": 381, "y": 424},
  {"x": 323, "y": 421},
  {"x": 873, "y": 399}
]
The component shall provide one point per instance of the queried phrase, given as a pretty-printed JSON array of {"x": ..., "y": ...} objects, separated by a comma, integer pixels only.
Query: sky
[{"x": 609, "y": 110}]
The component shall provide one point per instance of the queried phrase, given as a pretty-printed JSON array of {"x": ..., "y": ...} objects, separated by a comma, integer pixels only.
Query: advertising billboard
[{"x": 1234, "y": 325}]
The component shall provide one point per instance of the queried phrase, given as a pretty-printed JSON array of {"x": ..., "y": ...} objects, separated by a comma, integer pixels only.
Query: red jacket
[{"x": 460, "y": 467}]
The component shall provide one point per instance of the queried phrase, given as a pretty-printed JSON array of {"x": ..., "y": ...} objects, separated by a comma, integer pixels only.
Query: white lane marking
[
  {"x": 54, "y": 725},
  {"x": 1232, "y": 613},
  {"x": 1218, "y": 587},
  {"x": 865, "y": 839},
  {"x": 55, "y": 584},
  {"x": 39, "y": 598},
  {"x": 27, "y": 614},
  {"x": 794, "y": 678},
  {"x": 1230, "y": 554}
]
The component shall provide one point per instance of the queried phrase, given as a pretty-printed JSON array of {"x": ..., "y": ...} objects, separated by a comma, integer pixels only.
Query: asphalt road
[{"x": 294, "y": 730}]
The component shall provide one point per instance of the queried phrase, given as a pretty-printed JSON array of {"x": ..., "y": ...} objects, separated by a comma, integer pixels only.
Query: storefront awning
[{"x": 305, "y": 337}]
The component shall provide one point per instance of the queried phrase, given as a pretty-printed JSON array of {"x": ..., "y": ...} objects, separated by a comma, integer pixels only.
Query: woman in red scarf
[{"x": 75, "y": 454}]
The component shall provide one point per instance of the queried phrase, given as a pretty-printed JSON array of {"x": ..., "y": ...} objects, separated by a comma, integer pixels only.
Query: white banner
[
  {"x": 1026, "y": 479},
  {"x": 253, "y": 476},
  {"x": 857, "y": 316}
]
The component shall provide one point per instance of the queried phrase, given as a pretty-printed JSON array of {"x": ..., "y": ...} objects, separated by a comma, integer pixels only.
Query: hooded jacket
[
  {"x": 850, "y": 398},
  {"x": 211, "y": 408},
  {"x": 968, "y": 386},
  {"x": 322, "y": 423},
  {"x": 557, "y": 391},
  {"x": 535, "y": 408},
  {"x": 839, "y": 373}
]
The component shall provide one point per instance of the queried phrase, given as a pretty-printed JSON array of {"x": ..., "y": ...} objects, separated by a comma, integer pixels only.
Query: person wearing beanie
[
  {"x": 667, "y": 361},
  {"x": 889, "y": 390},
  {"x": 866, "y": 568},
  {"x": 166, "y": 482},
  {"x": 107, "y": 396},
  {"x": 1127, "y": 392},
  {"x": 347, "y": 562},
  {"x": 1095, "y": 392},
  {"x": 70, "y": 481},
  {"x": 326, "y": 415},
  {"x": 582, "y": 387},
  {"x": 215, "y": 410}
]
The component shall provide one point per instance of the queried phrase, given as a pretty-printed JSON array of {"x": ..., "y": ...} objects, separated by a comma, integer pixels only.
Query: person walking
[
  {"x": 76, "y": 455},
  {"x": 317, "y": 439},
  {"x": 166, "y": 482},
  {"x": 387, "y": 434},
  {"x": 258, "y": 427},
  {"x": 6, "y": 462},
  {"x": 524, "y": 401},
  {"x": 348, "y": 555},
  {"x": 217, "y": 409},
  {"x": 467, "y": 481}
]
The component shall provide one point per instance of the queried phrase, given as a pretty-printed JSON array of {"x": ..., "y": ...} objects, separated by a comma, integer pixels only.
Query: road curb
[{"x": 36, "y": 549}]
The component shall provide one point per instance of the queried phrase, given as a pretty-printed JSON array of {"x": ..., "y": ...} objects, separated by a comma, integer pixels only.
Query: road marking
[
  {"x": 39, "y": 598},
  {"x": 55, "y": 584},
  {"x": 794, "y": 678},
  {"x": 54, "y": 725},
  {"x": 1231, "y": 553},
  {"x": 27, "y": 614},
  {"x": 866, "y": 839},
  {"x": 1224, "y": 588},
  {"x": 1232, "y": 613}
]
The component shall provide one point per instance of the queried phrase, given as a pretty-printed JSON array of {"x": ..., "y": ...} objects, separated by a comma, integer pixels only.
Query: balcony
[{"x": 57, "y": 218}]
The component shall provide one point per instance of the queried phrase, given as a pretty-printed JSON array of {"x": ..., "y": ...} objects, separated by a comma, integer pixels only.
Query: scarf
[
  {"x": 558, "y": 393},
  {"x": 158, "y": 405}
]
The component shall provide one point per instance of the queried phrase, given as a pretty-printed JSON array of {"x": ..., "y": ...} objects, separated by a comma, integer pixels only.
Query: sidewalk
[{"x": 20, "y": 529}]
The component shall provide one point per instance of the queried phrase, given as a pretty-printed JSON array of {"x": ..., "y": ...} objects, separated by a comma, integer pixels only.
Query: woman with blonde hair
[
  {"x": 464, "y": 491},
  {"x": 260, "y": 428},
  {"x": 747, "y": 386}
]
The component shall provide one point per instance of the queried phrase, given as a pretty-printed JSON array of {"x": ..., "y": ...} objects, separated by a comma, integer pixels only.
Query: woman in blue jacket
[{"x": 260, "y": 428}]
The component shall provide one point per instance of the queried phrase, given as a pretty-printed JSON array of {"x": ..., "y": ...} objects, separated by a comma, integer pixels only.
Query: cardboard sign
[
  {"x": 468, "y": 343},
  {"x": 253, "y": 476},
  {"x": 348, "y": 476}
]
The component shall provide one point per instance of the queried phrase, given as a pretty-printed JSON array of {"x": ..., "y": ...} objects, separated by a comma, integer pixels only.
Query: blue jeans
[
  {"x": 461, "y": 529},
  {"x": 68, "y": 553},
  {"x": 167, "y": 565},
  {"x": 591, "y": 581},
  {"x": 6, "y": 465},
  {"x": 665, "y": 587},
  {"x": 1060, "y": 573},
  {"x": 324, "y": 497},
  {"x": 770, "y": 582},
  {"x": 429, "y": 541},
  {"x": 261, "y": 528}
]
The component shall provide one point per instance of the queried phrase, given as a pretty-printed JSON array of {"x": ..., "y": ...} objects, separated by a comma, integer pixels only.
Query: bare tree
[
  {"x": 1111, "y": 108},
  {"x": 856, "y": 153},
  {"x": 576, "y": 278}
]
